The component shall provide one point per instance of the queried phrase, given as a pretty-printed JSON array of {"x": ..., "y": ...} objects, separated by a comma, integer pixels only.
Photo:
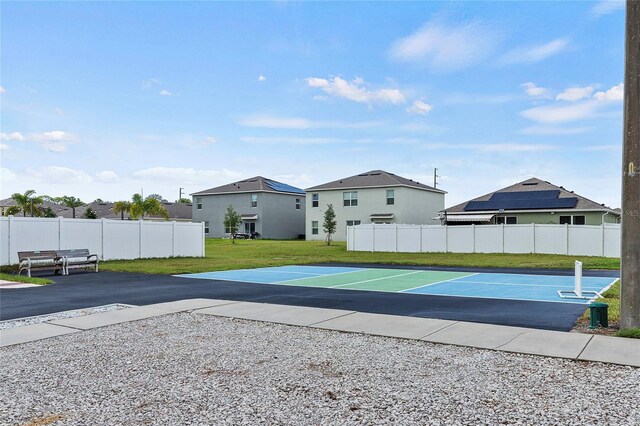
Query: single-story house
[
  {"x": 372, "y": 197},
  {"x": 269, "y": 208},
  {"x": 530, "y": 201}
]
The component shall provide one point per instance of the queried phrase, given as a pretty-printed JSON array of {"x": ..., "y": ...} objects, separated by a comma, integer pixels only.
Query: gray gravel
[
  {"x": 19, "y": 322},
  {"x": 197, "y": 369}
]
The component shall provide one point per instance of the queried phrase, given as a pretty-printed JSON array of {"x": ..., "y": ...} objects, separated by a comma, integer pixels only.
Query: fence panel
[
  {"x": 408, "y": 238},
  {"x": 80, "y": 234},
  {"x": 434, "y": 239},
  {"x": 612, "y": 239},
  {"x": 518, "y": 238},
  {"x": 189, "y": 240},
  {"x": 488, "y": 239},
  {"x": 4, "y": 241},
  {"x": 551, "y": 239},
  {"x": 585, "y": 240},
  {"x": 157, "y": 240},
  {"x": 384, "y": 238},
  {"x": 121, "y": 239},
  {"x": 460, "y": 239},
  {"x": 363, "y": 238}
]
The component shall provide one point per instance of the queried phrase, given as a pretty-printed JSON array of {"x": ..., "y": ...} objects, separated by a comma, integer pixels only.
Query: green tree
[
  {"x": 71, "y": 202},
  {"x": 48, "y": 212},
  {"x": 146, "y": 206},
  {"x": 27, "y": 203},
  {"x": 89, "y": 213},
  {"x": 121, "y": 207},
  {"x": 184, "y": 200},
  {"x": 232, "y": 222},
  {"x": 330, "y": 223},
  {"x": 157, "y": 197}
]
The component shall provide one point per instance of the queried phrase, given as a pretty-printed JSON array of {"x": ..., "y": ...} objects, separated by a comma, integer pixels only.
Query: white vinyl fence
[
  {"x": 109, "y": 239},
  {"x": 580, "y": 240}
]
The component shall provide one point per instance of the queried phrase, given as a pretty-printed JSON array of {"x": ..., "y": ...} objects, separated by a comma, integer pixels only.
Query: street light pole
[{"x": 630, "y": 250}]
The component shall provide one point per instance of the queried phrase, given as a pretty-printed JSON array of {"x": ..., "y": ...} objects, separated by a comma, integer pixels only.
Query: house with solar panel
[
  {"x": 530, "y": 201},
  {"x": 373, "y": 197},
  {"x": 267, "y": 208}
]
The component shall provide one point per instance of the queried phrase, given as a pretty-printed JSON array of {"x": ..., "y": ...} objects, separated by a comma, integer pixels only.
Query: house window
[
  {"x": 206, "y": 226},
  {"x": 350, "y": 198},
  {"x": 390, "y": 197},
  {"x": 315, "y": 198},
  {"x": 579, "y": 220},
  {"x": 227, "y": 230},
  {"x": 254, "y": 200},
  {"x": 353, "y": 222},
  {"x": 314, "y": 227},
  {"x": 508, "y": 220},
  {"x": 565, "y": 220},
  {"x": 297, "y": 203},
  {"x": 199, "y": 203},
  {"x": 572, "y": 220}
]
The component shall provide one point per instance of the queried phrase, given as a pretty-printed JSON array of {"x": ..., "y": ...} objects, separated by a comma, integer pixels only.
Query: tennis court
[{"x": 541, "y": 288}]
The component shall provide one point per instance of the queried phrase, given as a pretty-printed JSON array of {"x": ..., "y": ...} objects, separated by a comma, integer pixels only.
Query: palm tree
[
  {"x": 149, "y": 206},
  {"x": 121, "y": 207},
  {"x": 27, "y": 203},
  {"x": 71, "y": 202}
]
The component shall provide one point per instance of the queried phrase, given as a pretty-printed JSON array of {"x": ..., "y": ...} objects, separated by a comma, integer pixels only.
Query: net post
[{"x": 578, "y": 279}]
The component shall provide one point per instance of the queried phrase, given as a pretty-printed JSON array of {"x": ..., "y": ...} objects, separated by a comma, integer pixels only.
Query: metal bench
[
  {"x": 43, "y": 259},
  {"x": 77, "y": 258}
]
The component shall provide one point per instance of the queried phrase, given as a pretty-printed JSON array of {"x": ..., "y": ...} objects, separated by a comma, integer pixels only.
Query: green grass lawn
[
  {"x": 221, "y": 254},
  {"x": 23, "y": 279}
]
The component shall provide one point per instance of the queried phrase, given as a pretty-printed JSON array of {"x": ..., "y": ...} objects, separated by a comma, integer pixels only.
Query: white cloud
[
  {"x": 605, "y": 7},
  {"x": 53, "y": 136},
  {"x": 447, "y": 47},
  {"x": 2, "y": 89},
  {"x": 7, "y": 175},
  {"x": 186, "y": 176},
  {"x": 272, "y": 122},
  {"x": 604, "y": 148},
  {"x": 550, "y": 130},
  {"x": 165, "y": 92},
  {"x": 512, "y": 147},
  {"x": 573, "y": 94},
  {"x": 420, "y": 108},
  {"x": 535, "y": 91},
  {"x": 262, "y": 78},
  {"x": 536, "y": 53},
  {"x": 15, "y": 136},
  {"x": 4, "y": 147},
  {"x": 561, "y": 114},
  {"x": 54, "y": 146},
  {"x": 148, "y": 84},
  {"x": 616, "y": 93},
  {"x": 356, "y": 90},
  {"x": 107, "y": 176},
  {"x": 474, "y": 98},
  {"x": 290, "y": 140},
  {"x": 58, "y": 174}
]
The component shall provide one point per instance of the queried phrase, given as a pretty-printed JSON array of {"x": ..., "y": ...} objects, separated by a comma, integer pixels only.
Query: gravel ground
[
  {"x": 197, "y": 369},
  {"x": 19, "y": 322}
]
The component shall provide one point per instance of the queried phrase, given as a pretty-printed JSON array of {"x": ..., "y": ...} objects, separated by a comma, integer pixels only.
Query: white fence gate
[
  {"x": 580, "y": 240},
  {"x": 109, "y": 239}
]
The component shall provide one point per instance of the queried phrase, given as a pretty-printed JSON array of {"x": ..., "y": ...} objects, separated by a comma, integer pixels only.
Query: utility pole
[
  {"x": 180, "y": 194},
  {"x": 630, "y": 250},
  {"x": 435, "y": 177}
]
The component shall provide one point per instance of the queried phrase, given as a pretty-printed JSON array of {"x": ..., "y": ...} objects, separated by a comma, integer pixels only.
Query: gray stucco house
[
  {"x": 272, "y": 209},
  {"x": 372, "y": 197}
]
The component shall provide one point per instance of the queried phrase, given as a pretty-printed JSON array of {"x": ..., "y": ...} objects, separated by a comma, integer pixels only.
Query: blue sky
[{"x": 100, "y": 100}]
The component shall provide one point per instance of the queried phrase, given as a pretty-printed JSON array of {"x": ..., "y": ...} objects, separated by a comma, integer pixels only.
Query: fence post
[
  {"x": 173, "y": 238},
  {"x": 396, "y": 238},
  {"x": 373, "y": 238},
  {"x": 60, "y": 219},
  {"x": 473, "y": 232},
  {"x": 203, "y": 239},
  {"x": 602, "y": 230},
  {"x": 9, "y": 231},
  {"x": 502, "y": 225},
  {"x": 567, "y": 234},
  {"x": 102, "y": 239},
  {"x": 533, "y": 230},
  {"x": 140, "y": 239},
  {"x": 446, "y": 238},
  {"x": 420, "y": 230}
]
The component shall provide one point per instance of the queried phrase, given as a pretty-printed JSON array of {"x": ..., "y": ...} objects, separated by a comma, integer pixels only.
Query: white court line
[
  {"x": 515, "y": 284},
  {"x": 321, "y": 275},
  {"x": 428, "y": 285},
  {"x": 376, "y": 279}
]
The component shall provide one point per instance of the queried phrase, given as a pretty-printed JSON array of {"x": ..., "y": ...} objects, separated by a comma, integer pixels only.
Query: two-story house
[
  {"x": 269, "y": 208},
  {"x": 372, "y": 197}
]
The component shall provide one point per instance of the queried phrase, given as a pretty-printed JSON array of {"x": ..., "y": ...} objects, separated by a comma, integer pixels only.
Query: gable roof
[
  {"x": 58, "y": 209},
  {"x": 104, "y": 210},
  {"x": 373, "y": 179},
  {"x": 533, "y": 185},
  {"x": 254, "y": 184}
]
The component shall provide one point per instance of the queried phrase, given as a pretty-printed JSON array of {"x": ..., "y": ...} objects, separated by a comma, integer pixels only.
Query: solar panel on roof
[
  {"x": 515, "y": 204},
  {"x": 525, "y": 195},
  {"x": 283, "y": 187}
]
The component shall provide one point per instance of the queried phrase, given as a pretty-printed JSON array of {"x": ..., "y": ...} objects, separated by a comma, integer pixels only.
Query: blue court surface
[{"x": 540, "y": 288}]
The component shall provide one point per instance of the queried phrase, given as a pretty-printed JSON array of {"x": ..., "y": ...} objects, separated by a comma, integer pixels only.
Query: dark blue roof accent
[
  {"x": 548, "y": 203},
  {"x": 283, "y": 187},
  {"x": 525, "y": 195}
]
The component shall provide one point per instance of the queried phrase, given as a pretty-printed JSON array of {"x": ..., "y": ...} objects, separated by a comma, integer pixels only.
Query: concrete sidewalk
[{"x": 584, "y": 347}]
